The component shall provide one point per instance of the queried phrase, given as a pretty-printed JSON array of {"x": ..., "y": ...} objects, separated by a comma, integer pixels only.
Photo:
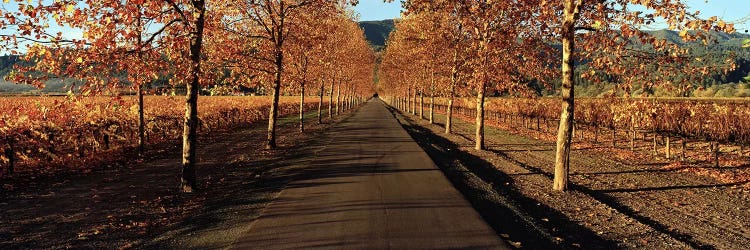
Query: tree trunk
[
  {"x": 565, "y": 132},
  {"x": 432, "y": 96},
  {"x": 141, "y": 122},
  {"x": 479, "y": 133},
  {"x": 421, "y": 105},
  {"x": 345, "y": 103},
  {"x": 338, "y": 98},
  {"x": 320, "y": 102},
  {"x": 656, "y": 150},
  {"x": 449, "y": 108},
  {"x": 667, "y": 149},
  {"x": 449, "y": 116},
  {"x": 432, "y": 108},
  {"x": 274, "y": 112},
  {"x": 189, "y": 132},
  {"x": 302, "y": 108},
  {"x": 414, "y": 107},
  {"x": 330, "y": 102},
  {"x": 408, "y": 100}
]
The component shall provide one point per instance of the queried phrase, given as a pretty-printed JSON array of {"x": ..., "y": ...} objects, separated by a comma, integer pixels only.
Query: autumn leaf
[{"x": 683, "y": 33}]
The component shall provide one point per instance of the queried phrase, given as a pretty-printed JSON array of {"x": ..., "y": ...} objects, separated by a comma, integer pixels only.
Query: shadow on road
[{"x": 492, "y": 193}]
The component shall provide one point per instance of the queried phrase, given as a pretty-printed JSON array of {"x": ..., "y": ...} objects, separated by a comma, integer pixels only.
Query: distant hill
[
  {"x": 6, "y": 64},
  {"x": 725, "y": 39},
  {"x": 377, "y": 32}
]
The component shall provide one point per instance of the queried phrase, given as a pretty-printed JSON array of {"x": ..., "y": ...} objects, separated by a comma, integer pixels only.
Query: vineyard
[
  {"x": 465, "y": 125},
  {"x": 689, "y": 132},
  {"x": 716, "y": 121},
  {"x": 40, "y": 134},
  {"x": 710, "y": 120}
]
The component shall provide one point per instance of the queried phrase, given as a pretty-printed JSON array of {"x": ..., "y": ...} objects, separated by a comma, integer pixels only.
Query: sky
[
  {"x": 729, "y": 10},
  {"x": 373, "y": 10}
]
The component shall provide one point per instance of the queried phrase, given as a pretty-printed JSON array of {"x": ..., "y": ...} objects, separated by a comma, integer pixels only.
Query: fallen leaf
[{"x": 515, "y": 244}]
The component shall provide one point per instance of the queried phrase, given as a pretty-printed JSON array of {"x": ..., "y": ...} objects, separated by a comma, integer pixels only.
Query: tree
[
  {"x": 448, "y": 32},
  {"x": 495, "y": 42},
  {"x": 607, "y": 28},
  {"x": 193, "y": 17},
  {"x": 116, "y": 30},
  {"x": 267, "y": 25},
  {"x": 305, "y": 47}
]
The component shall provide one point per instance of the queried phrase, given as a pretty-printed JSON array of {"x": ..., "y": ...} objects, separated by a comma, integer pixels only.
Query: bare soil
[
  {"x": 618, "y": 199},
  {"x": 137, "y": 203}
]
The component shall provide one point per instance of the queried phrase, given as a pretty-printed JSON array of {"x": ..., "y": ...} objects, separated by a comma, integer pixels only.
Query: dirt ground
[
  {"x": 616, "y": 201},
  {"x": 137, "y": 204}
]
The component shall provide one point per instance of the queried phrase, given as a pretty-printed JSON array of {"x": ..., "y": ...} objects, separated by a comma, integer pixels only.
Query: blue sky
[
  {"x": 370, "y": 10},
  {"x": 729, "y": 10}
]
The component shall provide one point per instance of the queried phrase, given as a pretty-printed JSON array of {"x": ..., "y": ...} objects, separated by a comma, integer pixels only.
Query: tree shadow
[
  {"x": 604, "y": 197},
  {"x": 493, "y": 194},
  {"x": 644, "y": 189}
]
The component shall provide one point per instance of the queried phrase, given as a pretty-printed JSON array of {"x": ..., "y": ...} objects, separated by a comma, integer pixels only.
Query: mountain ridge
[{"x": 377, "y": 32}]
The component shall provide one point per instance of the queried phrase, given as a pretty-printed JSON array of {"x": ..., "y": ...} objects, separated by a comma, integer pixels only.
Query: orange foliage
[{"x": 50, "y": 133}]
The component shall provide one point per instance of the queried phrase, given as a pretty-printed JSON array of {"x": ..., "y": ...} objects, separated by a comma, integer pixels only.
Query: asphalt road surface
[{"x": 371, "y": 187}]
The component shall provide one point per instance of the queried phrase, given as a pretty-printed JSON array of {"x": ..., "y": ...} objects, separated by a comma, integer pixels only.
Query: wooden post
[
  {"x": 632, "y": 133},
  {"x": 576, "y": 129},
  {"x": 106, "y": 141},
  {"x": 537, "y": 124},
  {"x": 742, "y": 149},
  {"x": 717, "y": 150},
  {"x": 596, "y": 134},
  {"x": 582, "y": 132},
  {"x": 683, "y": 145},
  {"x": 667, "y": 148}
]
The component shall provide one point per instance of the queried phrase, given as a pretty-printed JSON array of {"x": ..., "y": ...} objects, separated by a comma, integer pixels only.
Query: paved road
[{"x": 371, "y": 187}]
